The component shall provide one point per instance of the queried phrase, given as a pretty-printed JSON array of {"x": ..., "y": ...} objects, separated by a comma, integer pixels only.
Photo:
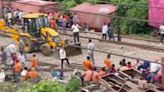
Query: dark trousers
[
  {"x": 110, "y": 36},
  {"x": 76, "y": 37},
  {"x": 103, "y": 36},
  {"x": 162, "y": 37},
  {"x": 62, "y": 62}
]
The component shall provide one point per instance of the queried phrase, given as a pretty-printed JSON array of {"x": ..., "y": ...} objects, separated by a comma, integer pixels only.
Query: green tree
[{"x": 131, "y": 11}]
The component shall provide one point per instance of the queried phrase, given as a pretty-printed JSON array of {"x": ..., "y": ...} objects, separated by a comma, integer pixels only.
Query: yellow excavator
[{"x": 36, "y": 34}]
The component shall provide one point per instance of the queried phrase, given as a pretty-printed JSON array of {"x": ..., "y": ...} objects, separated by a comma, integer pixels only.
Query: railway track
[
  {"x": 142, "y": 46},
  {"x": 152, "y": 48}
]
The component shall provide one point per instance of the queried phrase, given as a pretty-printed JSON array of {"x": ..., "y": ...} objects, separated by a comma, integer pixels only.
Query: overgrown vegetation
[
  {"x": 129, "y": 26},
  {"x": 42, "y": 86}
]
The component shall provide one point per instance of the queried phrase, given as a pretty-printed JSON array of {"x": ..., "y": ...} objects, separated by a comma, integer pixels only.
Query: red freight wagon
[
  {"x": 156, "y": 12},
  {"x": 35, "y": 6},
  {"x": 95, "y": 15}
]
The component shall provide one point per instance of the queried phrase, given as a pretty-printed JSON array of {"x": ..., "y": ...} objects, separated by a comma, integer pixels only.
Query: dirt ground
[{"x": 99, "y": 57}]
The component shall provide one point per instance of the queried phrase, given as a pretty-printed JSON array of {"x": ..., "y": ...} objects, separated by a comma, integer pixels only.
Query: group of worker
[
  {"x": 107, "y": 31},
  {"x": 16, "y": 63},
  {"x": 150, "y": 71},
  {"x": 57, "y": 19},
  {"x": 91, "y": 73},
  {"x": 13, "y": 16}
]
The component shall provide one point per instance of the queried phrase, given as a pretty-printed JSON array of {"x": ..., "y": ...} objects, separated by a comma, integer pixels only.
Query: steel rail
[{"x": 81, "y": 47}]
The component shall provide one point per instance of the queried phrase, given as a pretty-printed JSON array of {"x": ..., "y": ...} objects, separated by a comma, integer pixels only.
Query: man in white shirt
[
  {"x": 11, "y": 48},
  {"x": 104, "y": 31},
  {"x": 21, "y": 13},
  {"x": 91, "y": 47},
  {"x": 9, "y": 18},
  {"x": 75, "y": 29},
  {"x": 154, "y": 69},
  {"x": 2, "y": 76},
  {"x": 161, "y": 28},
  {"x": 24, "y": 73},
  {"x": 62, "y": 54}
]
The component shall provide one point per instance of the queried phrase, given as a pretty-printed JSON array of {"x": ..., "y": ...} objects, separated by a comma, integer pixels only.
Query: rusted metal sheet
[
  {"x": 35, "y": 6},
  {"x": 94, "y": 15},
  {"x": 114, "y": 83},
  {"x": 131, "y": 73}
]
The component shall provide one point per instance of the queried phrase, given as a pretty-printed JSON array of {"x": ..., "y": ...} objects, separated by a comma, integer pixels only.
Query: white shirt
[
  {"x": 154, "y": 67},
  {"x": 11, "y": 48},
  {"x": 91, "y": 46},
  {"x": 20, "y": 15},
  {"x": 62, "y": 53},
  {"x": 105, "y": 29},
  {"x": 161, "y": 28},
  {"x": 21, "y": 58},
  {"x": 9, "y": 15},
  {"x": 75, "y": 28},
  {"x": 2, "y": 76},
  {"x": 24, "y": 73},
  {"x": 15, "y": 12}
]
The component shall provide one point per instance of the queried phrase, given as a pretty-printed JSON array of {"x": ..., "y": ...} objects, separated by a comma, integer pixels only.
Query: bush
[{"x": 42, "y": 86}]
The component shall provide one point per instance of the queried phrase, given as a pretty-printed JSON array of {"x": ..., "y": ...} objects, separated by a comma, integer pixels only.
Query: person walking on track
[
  {"x": 91, "y": 47},
  {"x": 110, "y": 33},
  {"x": 104, "y": 31},
  {"x": 75, "y": 29},
  {"x": 62, "y": 54}
]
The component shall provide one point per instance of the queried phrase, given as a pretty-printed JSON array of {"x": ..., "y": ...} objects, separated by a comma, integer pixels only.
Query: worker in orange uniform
[
  {"x": 53, "y": 23},
  {"x": 33, "y": 75},
  {"x": 88, "y": 75},
  {"x": 17, "y": 70},
  {"x": 17, "y": 67},
  {"x": 95, "y": 76},
  {"x": 88, "y": 64},
  {"x": 35, "y": 61},
  {"x": 108, "y": 62},
  {"x": 102, "y": 72}
]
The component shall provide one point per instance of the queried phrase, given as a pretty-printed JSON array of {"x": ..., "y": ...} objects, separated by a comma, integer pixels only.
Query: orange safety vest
[
  {"x": 87, "y": 64},
  {"x": 35, "y": 62}
]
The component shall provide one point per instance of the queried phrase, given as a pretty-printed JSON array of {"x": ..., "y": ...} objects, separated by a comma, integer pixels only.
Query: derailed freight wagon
[
  {"x": 36, "y": 6},
  {"x": 95, "y": 15}
]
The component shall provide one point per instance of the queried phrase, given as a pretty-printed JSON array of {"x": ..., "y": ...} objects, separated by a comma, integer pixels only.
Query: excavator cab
[{"x": 33, "y": 24}]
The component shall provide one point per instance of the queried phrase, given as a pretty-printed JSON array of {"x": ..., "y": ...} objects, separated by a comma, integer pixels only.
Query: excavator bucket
[{"x": 73, "y": 50}]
